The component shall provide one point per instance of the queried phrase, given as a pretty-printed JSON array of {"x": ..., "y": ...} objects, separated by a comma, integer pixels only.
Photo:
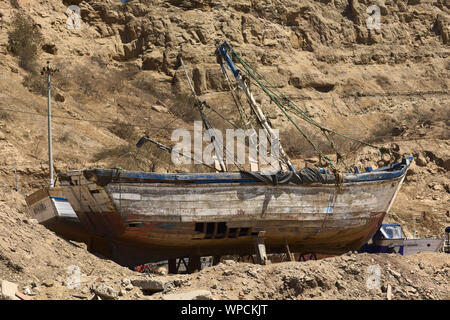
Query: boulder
[
  {"x": 153, "y": 61},
  {"x": 446, "y": 164},
  {"x": 442, "y": 25},
  {"x": 60, "y": 98},
  {"x": 125, "y": 282},
  {"x": 105, "y": 292},
  {"x": 192, "y": 4},
  {"x": 160, "y": 109},
  {"x": 161, "y": 270},
  {"x": 312, "y": 80},
  {"x": 8, "y": 291},
  {"x": 50, "y": 48},
  {"x": 421, "y": 161},
  {"x": 149, "y": 284}
]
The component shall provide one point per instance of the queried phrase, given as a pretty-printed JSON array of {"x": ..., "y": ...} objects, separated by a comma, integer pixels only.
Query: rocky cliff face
[{"x": 300, "y": 42}]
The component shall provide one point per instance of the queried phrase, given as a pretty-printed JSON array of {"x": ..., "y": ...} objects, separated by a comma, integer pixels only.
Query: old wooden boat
[{"x": 139, "y": 217}]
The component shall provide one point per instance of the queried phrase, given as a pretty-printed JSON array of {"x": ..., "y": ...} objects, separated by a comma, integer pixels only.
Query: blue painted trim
[
  {"x": 59, "y": 198},
  {"x": 223, "y": 49},
  {"x": 391, "y": 224},
  {"x": 389, "y": 173}
]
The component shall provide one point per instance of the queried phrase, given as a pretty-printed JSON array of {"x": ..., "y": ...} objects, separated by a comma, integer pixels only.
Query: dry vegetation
[
  {"x": 127, "y": 156},
  {"x": 185, "y": 108},
  {"x": 92, "y": 79},
  {"x": 25, "y": 41},
  {"x": 5, "y": 115}
]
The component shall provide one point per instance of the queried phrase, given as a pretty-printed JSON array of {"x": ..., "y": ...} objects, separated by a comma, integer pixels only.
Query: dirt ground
[{"x": 43, "y": 265}]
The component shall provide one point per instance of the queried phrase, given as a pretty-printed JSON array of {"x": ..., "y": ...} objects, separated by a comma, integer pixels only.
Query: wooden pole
[
  {"x": 260, "y": 248},
  {"x": 288, "y": 251},
  {"x": 173, "y": 266}
]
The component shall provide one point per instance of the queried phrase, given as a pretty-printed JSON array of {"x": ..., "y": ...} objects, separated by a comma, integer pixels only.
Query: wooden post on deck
[{"x": 260, "y": 248}]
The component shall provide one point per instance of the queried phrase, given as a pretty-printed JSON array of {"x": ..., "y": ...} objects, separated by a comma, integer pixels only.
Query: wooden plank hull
[
  {"x": 136, "y": 221},
  {"x": 51, "y": 209},
  {"x": 140, "y": 217}
]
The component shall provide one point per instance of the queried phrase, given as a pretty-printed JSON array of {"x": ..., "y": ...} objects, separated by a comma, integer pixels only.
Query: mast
[
  {"x": 254, "y": 165},
  {"x": 223, "y": 51},
  {"x": 219, "y": 163}
]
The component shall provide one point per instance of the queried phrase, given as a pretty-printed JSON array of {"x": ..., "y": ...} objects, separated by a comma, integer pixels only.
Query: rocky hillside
[
  {"x": 119, "y": 77},
  {"x": 41, "y": 265}
]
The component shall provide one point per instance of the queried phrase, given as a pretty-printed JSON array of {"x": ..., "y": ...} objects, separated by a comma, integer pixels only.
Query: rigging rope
[
  {"x": 284, "y": 102},
  {"x": 267, "y": 91}
]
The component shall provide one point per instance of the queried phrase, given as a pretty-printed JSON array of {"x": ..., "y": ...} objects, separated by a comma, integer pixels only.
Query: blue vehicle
[{"x": 388, "y": 239}]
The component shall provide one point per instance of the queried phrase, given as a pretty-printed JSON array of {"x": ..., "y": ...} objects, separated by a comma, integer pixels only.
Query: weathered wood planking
[
  {"x": 297, "y": 212},
  {"x": 143, "y": 217}
]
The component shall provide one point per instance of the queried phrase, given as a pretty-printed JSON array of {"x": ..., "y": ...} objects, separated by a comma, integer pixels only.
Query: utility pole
[{"x": 47, "y": 70}]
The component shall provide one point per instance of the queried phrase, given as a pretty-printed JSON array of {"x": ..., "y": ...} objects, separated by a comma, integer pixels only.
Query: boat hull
[
  {"x": 151, "y": 242},
  {"x": 137, "y": 219},
  {"x": 51, "y": 209}
]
